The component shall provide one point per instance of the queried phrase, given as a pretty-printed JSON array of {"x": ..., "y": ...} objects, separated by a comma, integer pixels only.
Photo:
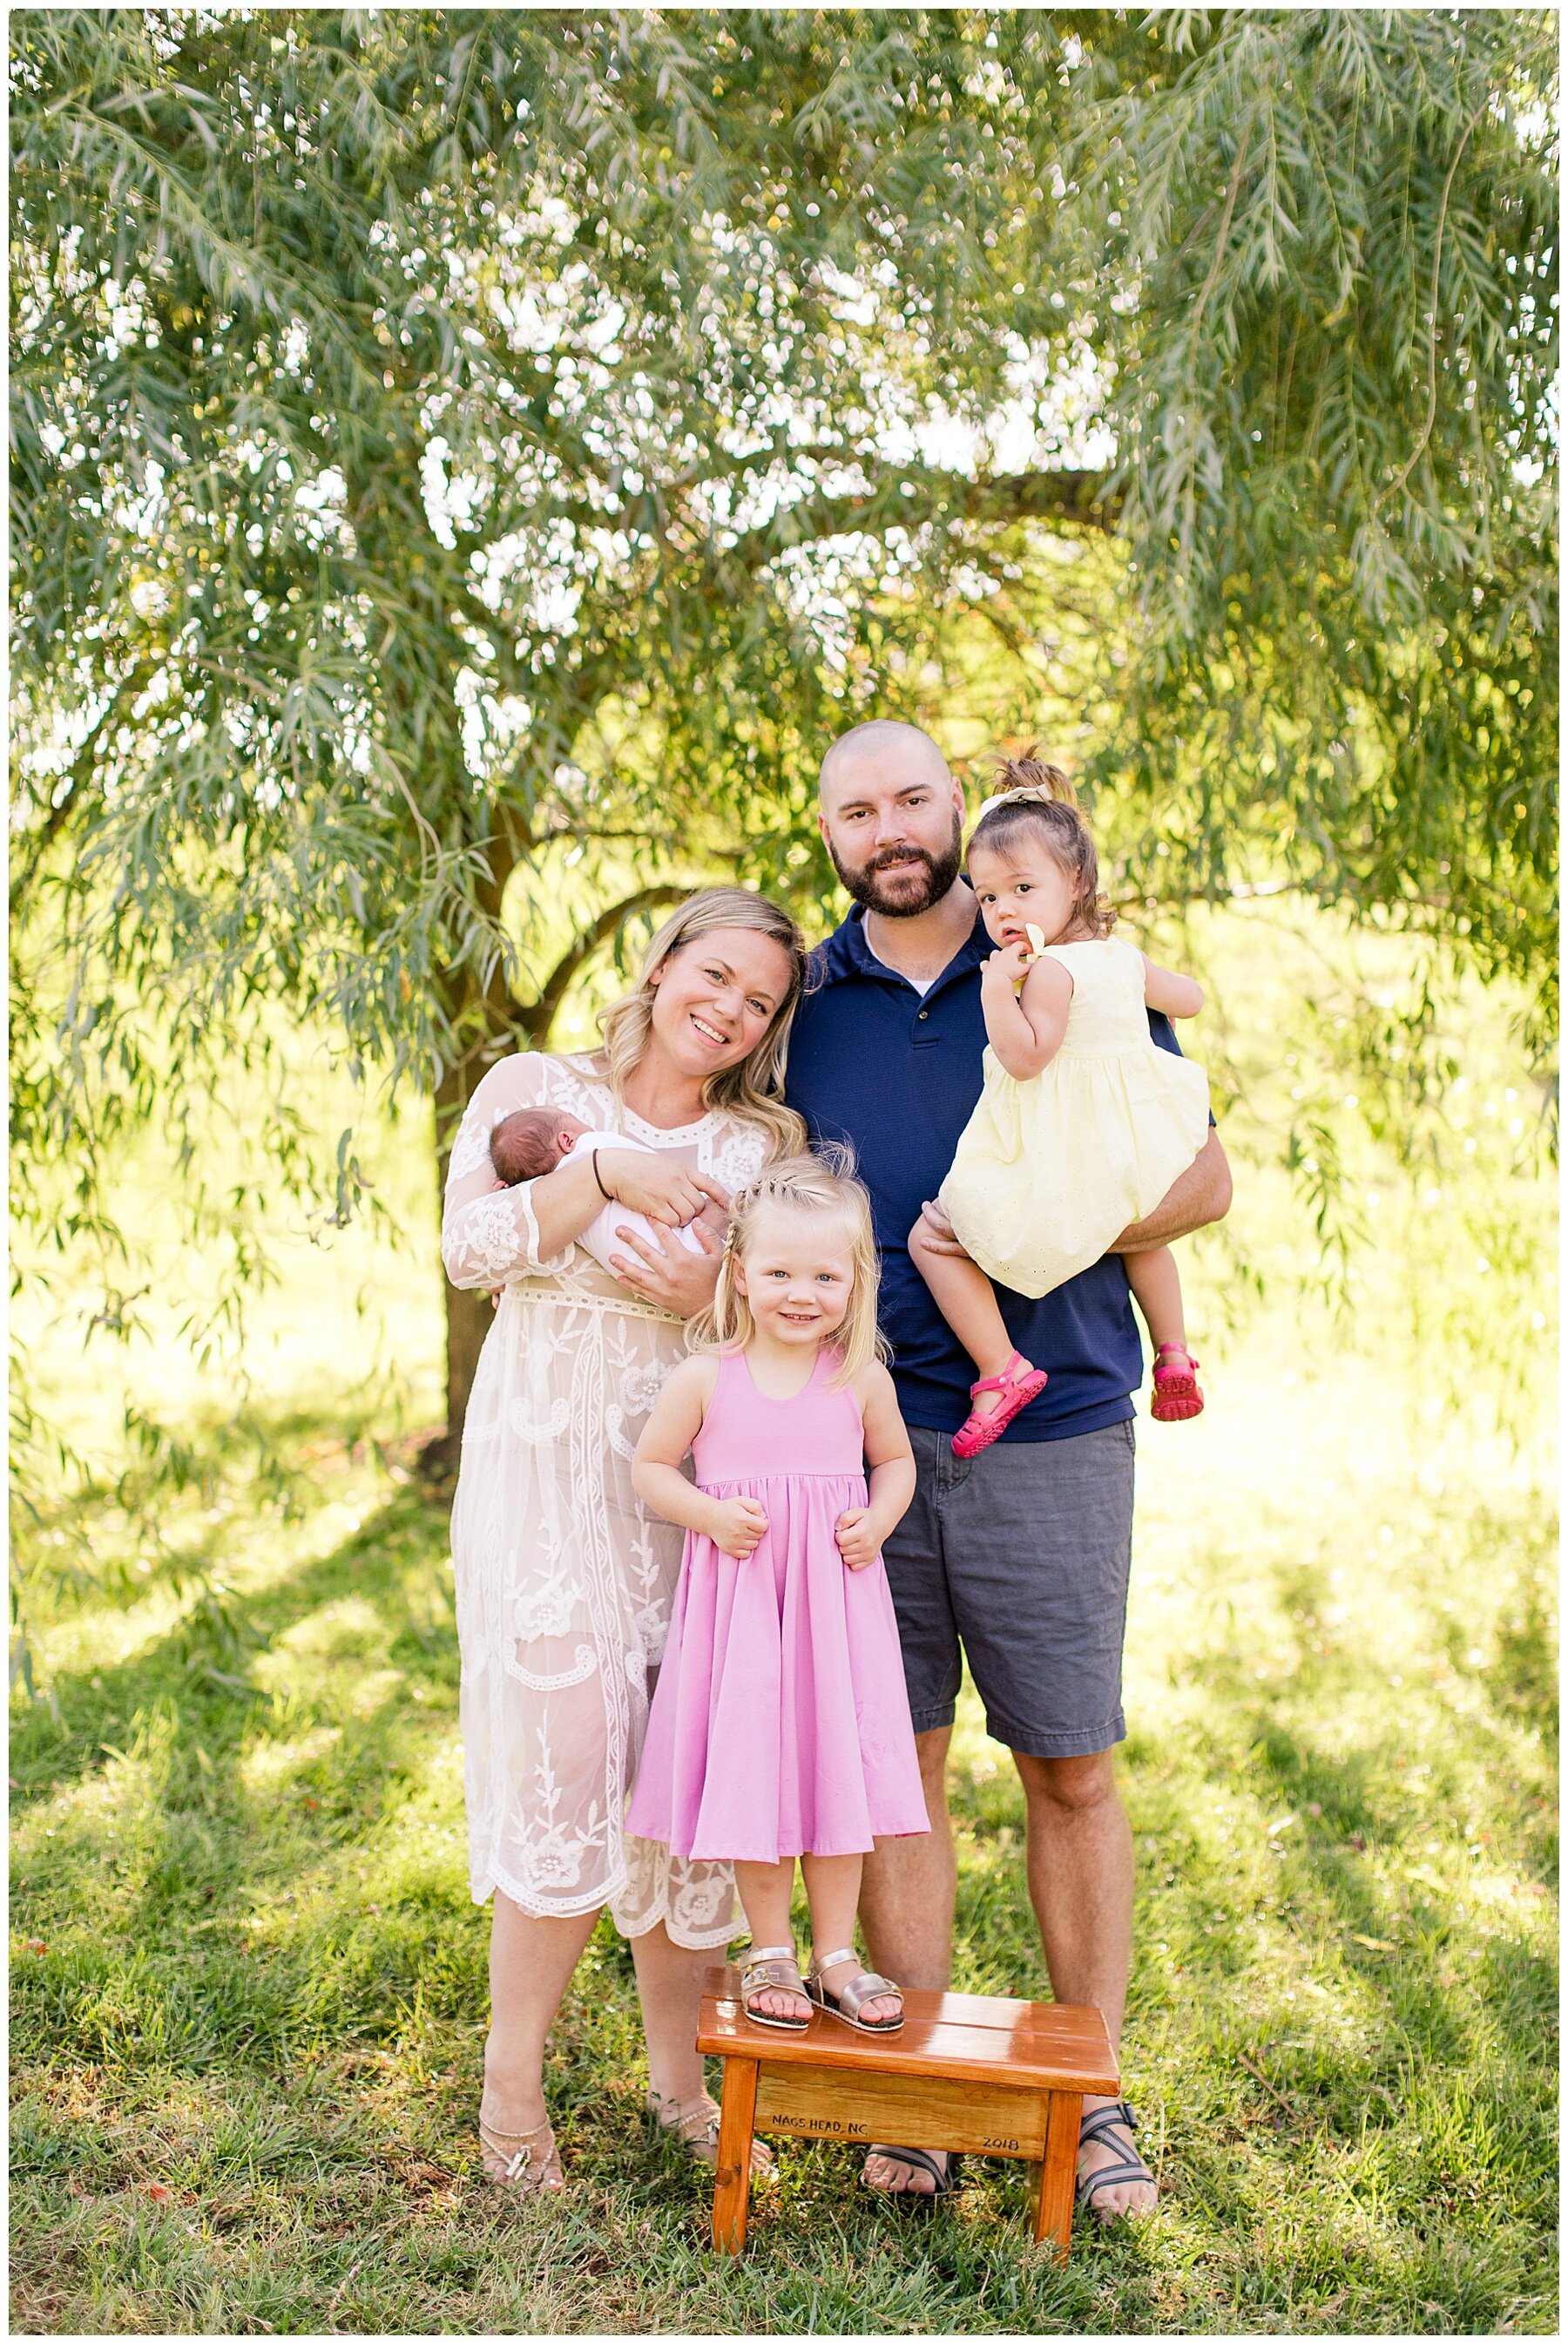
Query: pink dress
[{"x": 779, "y": 1724}]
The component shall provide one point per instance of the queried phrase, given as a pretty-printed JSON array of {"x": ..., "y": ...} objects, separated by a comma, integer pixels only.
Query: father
[{"x": 1022, "y": 1553}]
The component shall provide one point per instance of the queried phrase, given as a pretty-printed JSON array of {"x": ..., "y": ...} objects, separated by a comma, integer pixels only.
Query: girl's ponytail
[{"x": 1030, "y": 795}]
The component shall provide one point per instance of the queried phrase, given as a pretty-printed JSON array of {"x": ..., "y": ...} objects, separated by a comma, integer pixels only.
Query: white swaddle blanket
[{"x": 599, "y": 1237}]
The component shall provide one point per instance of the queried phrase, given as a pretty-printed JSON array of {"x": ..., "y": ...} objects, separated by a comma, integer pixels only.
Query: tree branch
[
  {"x": 536, "y": 1016},
  {"x": 1076, "y": 497},
  {"x": 81, "y": 766}
]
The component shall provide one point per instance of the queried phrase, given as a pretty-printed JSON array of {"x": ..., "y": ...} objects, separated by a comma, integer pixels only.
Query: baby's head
[
  {"x": 799, "y": 1262},
  {"x": 532, "y": 1142},
  {"x": 1031, "y": 859}
]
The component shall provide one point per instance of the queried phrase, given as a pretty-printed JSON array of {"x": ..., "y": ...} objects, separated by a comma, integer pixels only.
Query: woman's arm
[
  {"x": 1178, "y": 996},
  {"x": 490, "y": 1235},
  {"x": 890, "y": 1472},
  {"x": 735, "y": 1524},
  {"x": 564, "y": 1202},
  {"x": 1025, "y": 1029}
]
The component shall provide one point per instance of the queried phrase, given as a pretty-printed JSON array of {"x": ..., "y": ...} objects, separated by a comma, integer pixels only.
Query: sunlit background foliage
[{"x": 450, "y": 449}]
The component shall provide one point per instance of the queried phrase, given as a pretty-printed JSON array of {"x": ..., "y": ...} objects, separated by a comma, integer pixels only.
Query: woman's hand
[
  {"x": 856, "y": 1532},
  {"x": 737, "y": 1527},
  {"x": 671, "y": 1193},
  {"x": 669, "y": 1276}
]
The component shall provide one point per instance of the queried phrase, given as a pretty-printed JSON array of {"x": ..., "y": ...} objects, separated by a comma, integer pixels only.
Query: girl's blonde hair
[
  {"x": 753, "y": 1090},
  {"x": 1030, "y": 796},
  {"x": 804, "y": 1184}
]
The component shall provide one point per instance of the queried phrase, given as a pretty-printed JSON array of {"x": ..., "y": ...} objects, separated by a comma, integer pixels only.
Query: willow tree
[
  {"x": 1334, "y": 362},
  {"x": 440, "y": 436}
]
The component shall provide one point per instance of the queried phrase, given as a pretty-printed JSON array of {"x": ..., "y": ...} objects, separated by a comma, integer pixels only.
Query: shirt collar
[{"x": 846, "y": 952}]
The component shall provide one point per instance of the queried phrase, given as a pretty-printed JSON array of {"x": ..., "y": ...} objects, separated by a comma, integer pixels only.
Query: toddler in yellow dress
[{"x": 1083, "y": 1122}]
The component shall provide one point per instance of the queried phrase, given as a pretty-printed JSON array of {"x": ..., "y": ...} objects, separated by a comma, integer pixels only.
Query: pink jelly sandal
[
  {"x": 1176, "y": 1393},
  {"x": 976, "y": 1431}
]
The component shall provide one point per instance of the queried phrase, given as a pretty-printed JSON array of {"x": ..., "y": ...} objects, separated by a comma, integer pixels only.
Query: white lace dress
[{"x": 564, "y": 1583}]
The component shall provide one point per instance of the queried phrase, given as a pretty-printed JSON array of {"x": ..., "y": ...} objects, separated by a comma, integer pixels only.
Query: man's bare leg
[
  {"x": 1080, "y": 1869},
  {"x": 907, "y": 1890}
]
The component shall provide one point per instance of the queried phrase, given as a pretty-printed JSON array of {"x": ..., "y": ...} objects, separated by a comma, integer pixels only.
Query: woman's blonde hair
[
  {"x": 753, "y": 1090},
  {"x": 804, "y": 1184}
]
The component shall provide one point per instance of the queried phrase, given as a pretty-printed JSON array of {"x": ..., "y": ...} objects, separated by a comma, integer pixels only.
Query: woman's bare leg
[
  {"x": 966, "y": 1300},
  {"x": 1156, "y": 1284},
  {"x": 531, "y": 1964},
  {"x": 669, "y": 1987}
]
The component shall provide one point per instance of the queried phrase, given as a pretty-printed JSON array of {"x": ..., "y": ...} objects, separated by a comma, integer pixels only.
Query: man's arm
[{"x": 1201, "y": 1195}]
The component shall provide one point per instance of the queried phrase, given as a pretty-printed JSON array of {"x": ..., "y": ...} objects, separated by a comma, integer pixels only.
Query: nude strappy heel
[
  {"x": 526, "y": 2167},
  {"x": 697, "y": 2130}
]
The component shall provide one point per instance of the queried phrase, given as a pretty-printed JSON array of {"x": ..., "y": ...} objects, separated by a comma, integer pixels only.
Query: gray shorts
[{"x": 1020, "y": 1554}]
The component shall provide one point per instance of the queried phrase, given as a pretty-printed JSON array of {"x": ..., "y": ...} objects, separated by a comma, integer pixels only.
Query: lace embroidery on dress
[{"x": 564, "y": 1583}]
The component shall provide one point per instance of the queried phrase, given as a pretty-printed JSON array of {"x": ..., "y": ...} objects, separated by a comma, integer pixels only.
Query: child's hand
[
  {"x": 856, "y": 1534},
  {"x": 1010, "y": 963},
  {"x": 737, "y": 1526}
]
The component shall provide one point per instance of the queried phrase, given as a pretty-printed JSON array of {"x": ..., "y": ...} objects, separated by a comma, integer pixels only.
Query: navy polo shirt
[{"x": 897, "y": 1075}]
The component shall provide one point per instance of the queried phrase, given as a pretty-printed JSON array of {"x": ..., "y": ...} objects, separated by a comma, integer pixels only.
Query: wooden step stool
[{"x": 965, "y": 2071}]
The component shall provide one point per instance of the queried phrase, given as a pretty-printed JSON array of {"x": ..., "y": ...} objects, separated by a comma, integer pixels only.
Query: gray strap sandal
[
  {"x": 1101, "y": 2127},
  {"x": 865, "y": 1986},
  {"x": 774, "y": 1968},
  {"x": 944, "y": 2179}
]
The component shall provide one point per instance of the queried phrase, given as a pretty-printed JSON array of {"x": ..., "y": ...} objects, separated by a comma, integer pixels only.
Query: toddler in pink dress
[{"x": 780, "y": 1725}]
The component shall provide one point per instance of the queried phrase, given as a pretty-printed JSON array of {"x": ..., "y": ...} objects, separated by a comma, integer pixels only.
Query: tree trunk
[{"x": 469, "y": 1312}]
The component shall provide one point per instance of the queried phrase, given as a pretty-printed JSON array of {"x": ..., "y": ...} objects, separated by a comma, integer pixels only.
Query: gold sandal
[
  {"x": 526, "y": 2169},
  {"x": 866, "y": 1985},
  {"x": 774, "y": 1968}
]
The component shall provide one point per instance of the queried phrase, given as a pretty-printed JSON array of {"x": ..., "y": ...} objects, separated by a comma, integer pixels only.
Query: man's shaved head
[
  {"x": 883, "y": 740},
  {"x": 891, "y": 816}
]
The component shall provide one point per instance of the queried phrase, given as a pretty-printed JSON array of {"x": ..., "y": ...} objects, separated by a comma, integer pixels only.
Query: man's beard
[{"x": 935, "y": 875}]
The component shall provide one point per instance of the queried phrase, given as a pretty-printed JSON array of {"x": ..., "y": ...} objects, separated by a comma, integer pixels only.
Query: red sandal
[
  {"x": 1176, "y": 1393},
  {"x": 976, "y": 1431}
]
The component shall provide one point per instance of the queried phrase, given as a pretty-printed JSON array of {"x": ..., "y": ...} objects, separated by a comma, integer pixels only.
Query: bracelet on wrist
[{"x": 599, "y": 1177}]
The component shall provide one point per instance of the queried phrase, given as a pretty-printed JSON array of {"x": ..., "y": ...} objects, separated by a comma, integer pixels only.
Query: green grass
[{"x": 248, "y": 1986}]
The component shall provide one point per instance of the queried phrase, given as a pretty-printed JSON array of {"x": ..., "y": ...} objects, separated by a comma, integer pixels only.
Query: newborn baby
[{"x": 537, "y": 1139}]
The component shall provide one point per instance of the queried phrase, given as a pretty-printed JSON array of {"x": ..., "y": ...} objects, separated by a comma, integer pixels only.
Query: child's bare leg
[
  {"x": 1156, "y": 1284},
  {"x": 834, "y": 1887},
  {"x": 966, "y": 1300},
  {"x": 765, "y": 1892}
]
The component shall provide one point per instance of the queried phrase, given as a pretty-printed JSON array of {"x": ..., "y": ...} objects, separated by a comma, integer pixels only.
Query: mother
[{"x": 564, "y": 1584}]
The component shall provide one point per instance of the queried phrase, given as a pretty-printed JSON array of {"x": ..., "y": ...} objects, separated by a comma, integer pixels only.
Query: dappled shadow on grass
[
  {"x": 199, "y": 1672},
  {"x": 212, "y": 1820},
  {"x": 263, "y": 1992},
  {"x": 1341, "y": 1994}
]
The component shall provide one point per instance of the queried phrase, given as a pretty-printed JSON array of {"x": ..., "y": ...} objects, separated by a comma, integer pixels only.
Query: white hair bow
[{"x": 1031, "y": 793}]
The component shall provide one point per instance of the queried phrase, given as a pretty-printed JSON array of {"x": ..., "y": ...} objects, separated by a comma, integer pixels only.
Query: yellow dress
[{"x": 1049, "y": 1171}]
